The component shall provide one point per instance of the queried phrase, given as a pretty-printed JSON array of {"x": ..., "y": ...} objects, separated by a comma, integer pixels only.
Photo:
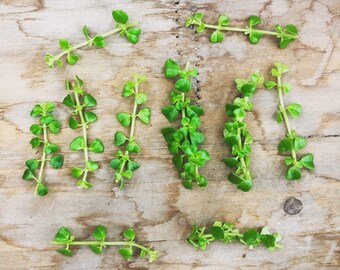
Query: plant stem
[
  {"x": 282, "y": 109},
  {"x": 85, "y": 43}
]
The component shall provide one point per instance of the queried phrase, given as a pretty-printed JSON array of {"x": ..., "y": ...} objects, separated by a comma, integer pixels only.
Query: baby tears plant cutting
[
  {"x": 285, "y": 34},
  {"x": 64, "y": 238},
  {"x": 78, "y": 100},
  {"x": 236, "y": 133},
  {"x": 35, "y": 167},
  {"x": 227, "y": 233},
  {"x": 123, "y": 28},
  {"x": 292, "y": 142},
  {"x": 122, "y": 163},
  {"x": 183, "y": 141}
]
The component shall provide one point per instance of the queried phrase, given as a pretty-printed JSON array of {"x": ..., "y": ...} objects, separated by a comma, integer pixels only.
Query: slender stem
[
  {"x": 88, "y": 243},
  {"x": 85, "y": 43},
  {"x": 282, "y": 109}
]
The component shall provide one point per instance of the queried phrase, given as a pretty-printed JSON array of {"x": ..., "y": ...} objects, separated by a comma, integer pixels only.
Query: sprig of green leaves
[
  {"x": 292, "y": 141},
  {"x": 65, "y": 238},
  {"x": 78, "y": 100},
  {"x": 123, "y": 27},
  {"x": 183, "y": 142},
  {"x": 285, "y": 34},
  {"x": 227, "y": 233},
  {"x": 236, "y": 133},
  {"x": 35, "y": 167},
  {"x": 122, "y": 163}
]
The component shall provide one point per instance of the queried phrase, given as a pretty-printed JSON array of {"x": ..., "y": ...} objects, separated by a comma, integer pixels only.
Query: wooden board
[{"x": 155, "y": 203}]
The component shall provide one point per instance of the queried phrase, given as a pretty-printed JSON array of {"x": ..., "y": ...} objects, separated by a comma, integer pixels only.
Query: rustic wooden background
[{"x": 155, "y": 203}]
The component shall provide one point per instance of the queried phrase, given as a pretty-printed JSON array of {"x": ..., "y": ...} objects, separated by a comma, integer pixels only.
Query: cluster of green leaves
[
  {"x": 285, "y": 34},
  {"x": 236, "y": 133},
  {"x": 183, "y": 142},
  {"x": 77, "y": 99},
  {"x": 292, "y": 141},
  {"x": 123, "y": 27},
  {"x": 227, "y": 233},
  {"x": 35, "y": 167},
  {"x": 122, "y": 163},
  {"x": 65, "y": 238}
]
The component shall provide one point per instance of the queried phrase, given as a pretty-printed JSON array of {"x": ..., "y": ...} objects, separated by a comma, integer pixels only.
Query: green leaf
[
  {"x": 251, "y": 237},
  {"x": 144, "y": 115},
  {"x": 217, "y": 232},
  {"x": 286, "y": 144},
  {"x": 116, "y": 163},
  {"x": 49, "y": 106},
  {"x": 99, "y": 41},
  {"x": 254, "y": 20},
  {"x": 233, "y": 178},
  {"x": 289, "y": 161},
  {"x": 124, "y": 119},
  {"x": 32, "y": 164},
  {"x": 35, "y": 142},
  {"x": 28, "y": 175},
  {"x": 76, "y": 172},
  {"x": 177, "y": 160},
  {"x": 246, "y": 185},
  {"x": 36, "y": 129},
  {"x": 65, "y": 251},
  {"x": 171, "y": 69},
  {"x": 133, "y": 147},
  {"x": 216, "y": 37},
  {"x": 100, "y": 233},
  {"x": 126, "y": 253},
  {"x": 89, "y": 100},
  {"x": 268, "y": 241},
  {"x": 230, "y": 162},
  {"x": 291, "y": 29},
  {"x": 68, "y": 101},
  {"x": 141, "y": 98},
  {"x": 167, "y": 133},
  {"x": 36, "y": 111},
  {"x": 254, "y": 37},
  {"x": 133, "y": 35},
  {"x": 92, "y": 166},
  {"x": 248, "y": 89},
  {"x": 286, "y": 87},
  {"x": 57, "y": 161},
  {"x": 97, "y": 249},
  {"x": 299, "y": 143},
  {"x": 120, "y": 16},
  {"x": 189, "y": 21},
  {"x": 170, "y": 112},
  {"x": 72, "y": 59},
  {"x": 294, "y": 109},
  {"x": 130, "y": 234},
  {"x": 269, "y": 84},
  {"x": 120, "y": 138},
  {"x": 86, "y": 32},
  {"x": 279, "y": 117},
  {"x": 223, "y": 20},
  {"x": 183, "y": 84},
  {"x": 132, "y": 165},
  {"x": 128, "y": 89},
  {"x": 51, "y": 148},
  {"x": 73, "y": 123},
  {"x": 194, "y": 110},
  {"x": 200, "y": 28},
  {"x": 77, "y": 144},
  {"x": 90, "y": 117},
  {"x": 96, "y": 146},
  {"x": 42, "y": 190},
  {"x": 54, "y": 126},
  {"x": 64, "y": 44},
  {"x": 281, "y": 68},
  {"x": 293, "y": 173},
  {"x": 47, "y": 119},
  {"x": 308, "y": 161},
  {"x": 62, "y": 235}
]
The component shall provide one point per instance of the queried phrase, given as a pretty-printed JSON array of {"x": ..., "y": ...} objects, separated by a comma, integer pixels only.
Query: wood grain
[{"x": 155, "y": 203}]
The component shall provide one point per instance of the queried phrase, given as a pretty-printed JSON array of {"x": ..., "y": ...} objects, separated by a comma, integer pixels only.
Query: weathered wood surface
[{"x": 155, "y": 203}]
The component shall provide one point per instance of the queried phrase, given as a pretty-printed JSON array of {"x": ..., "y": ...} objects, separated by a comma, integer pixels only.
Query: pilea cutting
[
  {"x": 122, "y": 163},
  {"x": 35, "y": 167},
  {"x": 285, "y": 34},
  {"x": 123, "y": 28},
  {"x": 236, "y": 133},
  {"x": 292, "y": 142},
  {"x": 78, "y": 100},
  {"x": 63, "y": 237},
  {"x": 183, "y": 142},
  {"x": 227, "y": 233}
]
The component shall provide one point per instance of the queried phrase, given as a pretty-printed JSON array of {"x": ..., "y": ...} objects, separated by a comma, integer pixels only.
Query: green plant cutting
[
  {"x": 79, "y": 101},
  {"x": 236, "y": 133},
  {"x": 227, "y": 233},
  {"x": 292, "y": 142},
  {"x": 183, "y": 142},
  {"x": 285, "y": 34},
  {"x": 123, "y": 164},
  {"x": 35, "y": 167},
  {"x": 123, "y": 28},
  {"x": 64, "y": 238}
]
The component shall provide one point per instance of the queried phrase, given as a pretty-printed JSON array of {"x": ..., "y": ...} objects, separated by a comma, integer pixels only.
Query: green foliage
[
  {"x": 292, "y": 142},
  {"x": 183, "y": 142},
  {"x": 47, "y": 123},
  {"x": 285, "y": 34},
  {"x": 79, "y": 101},
  {"x": 64, "y": 238},
  {"x": 236, "y": 133},
  {"x": 123, "y": 163},
  {"x": 123, "y": 28},
  {"x": 227, "y": 233}
]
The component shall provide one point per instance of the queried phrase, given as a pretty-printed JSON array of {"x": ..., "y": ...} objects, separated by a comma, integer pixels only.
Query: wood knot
[{"x": 292, "y": 206}]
